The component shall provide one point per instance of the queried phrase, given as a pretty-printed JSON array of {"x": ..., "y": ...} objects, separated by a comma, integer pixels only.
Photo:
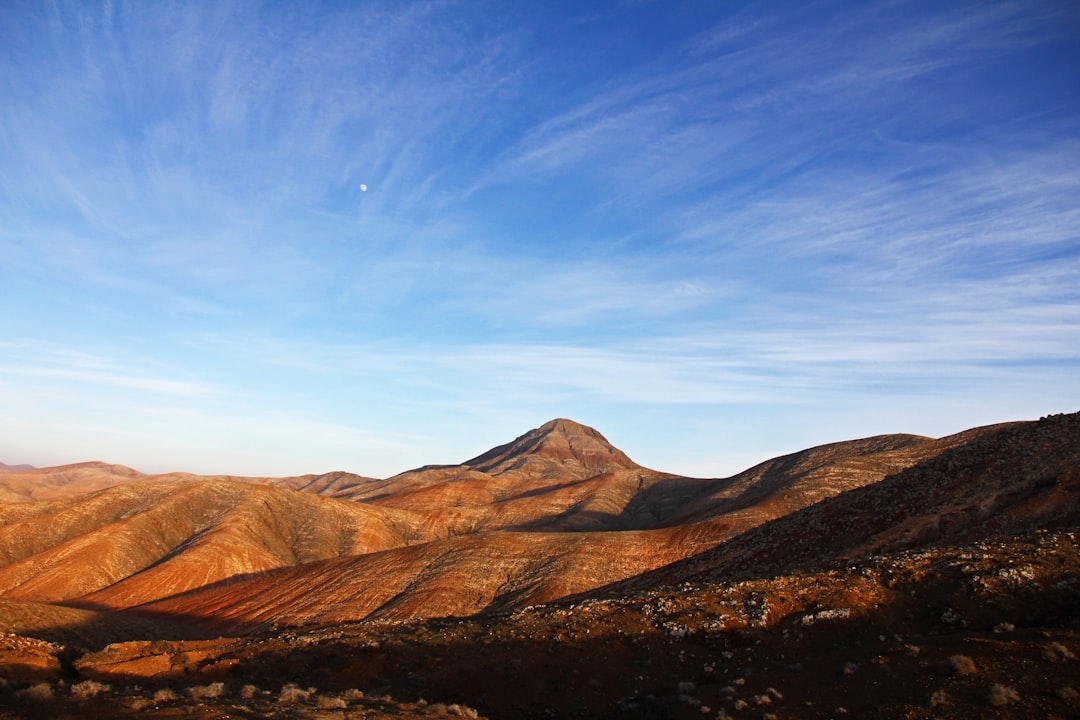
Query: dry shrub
[
  {"x": 962, "y": 665},
  {"x": 1056, "y": 652},
  {"x": 248, "y": 691},
  {"x": 165, "y": 695},
  {"x": 1001, "y": 695},
  {"x": 204, "y": 692},
  {"x": 88, "y": 689},
  {"x": 327, "y": 702},
  {"x": 293, "y": 693},
  {"x": 41, "y": 692}
]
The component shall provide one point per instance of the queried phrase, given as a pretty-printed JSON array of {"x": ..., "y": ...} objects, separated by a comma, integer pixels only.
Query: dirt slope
[{"x": 132, "y": 543}]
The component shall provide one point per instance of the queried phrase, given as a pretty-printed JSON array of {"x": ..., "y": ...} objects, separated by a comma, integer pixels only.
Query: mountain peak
[
  {"x": 568, "y": 427},
  {"x": 561, "y": 445}
]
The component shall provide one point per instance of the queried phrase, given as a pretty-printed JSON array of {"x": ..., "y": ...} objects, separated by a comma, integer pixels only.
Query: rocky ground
[{"x": 988, "y": 630}]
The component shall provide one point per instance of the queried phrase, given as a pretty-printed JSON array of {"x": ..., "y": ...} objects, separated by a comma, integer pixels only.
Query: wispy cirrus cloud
[
  {"x": 66, "y": 366},
  {"x": 770, "y": 213}
]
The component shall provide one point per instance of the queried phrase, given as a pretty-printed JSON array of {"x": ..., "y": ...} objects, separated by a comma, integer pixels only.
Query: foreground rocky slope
[{"x": 984, "y": 630}]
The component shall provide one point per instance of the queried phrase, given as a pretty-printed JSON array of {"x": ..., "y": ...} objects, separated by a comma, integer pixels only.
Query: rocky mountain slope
[{"x": 1006, "y": 479}]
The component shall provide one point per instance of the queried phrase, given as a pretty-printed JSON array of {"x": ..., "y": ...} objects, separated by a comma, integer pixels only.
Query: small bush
[
  {"x": 326, "y": 702},
  {"x": 204, "y": 692},
  {"x": 1056, "y": 652},
  {"x": 165, "y": 695},
  {"x": 1001, "y": 695},
  {"x": 248, "y": 691},
  {"x": 940, "y": 697},
  {"x": 88, "y": 689},
  {"x": 962, "y": 665},
  {"x": 293, "y": 693},
  {"x": 41, "y": 692}
]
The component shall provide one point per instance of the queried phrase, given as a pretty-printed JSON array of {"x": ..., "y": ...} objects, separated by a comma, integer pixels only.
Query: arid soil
[{"x": 892, "y": 577}]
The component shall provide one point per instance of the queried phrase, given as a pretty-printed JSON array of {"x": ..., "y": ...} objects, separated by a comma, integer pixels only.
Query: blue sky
[{"x": 716, "y": 231}]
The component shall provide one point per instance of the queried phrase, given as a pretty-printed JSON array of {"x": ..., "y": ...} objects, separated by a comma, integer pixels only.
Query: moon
[{"x": 363, "y": 188}]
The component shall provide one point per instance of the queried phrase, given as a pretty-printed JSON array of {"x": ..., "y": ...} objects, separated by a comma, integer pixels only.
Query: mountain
[
  {"x": 561, "y": 448},
  {"x": 557, "y": 511},
  {"x": 561, "y": 476},
  {"x": 890, "y": 576}
]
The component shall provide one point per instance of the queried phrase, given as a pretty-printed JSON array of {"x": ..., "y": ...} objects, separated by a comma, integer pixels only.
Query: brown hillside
[
  {"x": 22, "y": 484},
  {"x": 785, "y": 484},
  {"x": 455, "y": 577},
  {"x": 144, "y": 541},
  {"x": 1003, "y": 479}
]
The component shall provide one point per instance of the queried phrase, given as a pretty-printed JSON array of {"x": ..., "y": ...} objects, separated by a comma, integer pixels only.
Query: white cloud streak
[{"x": 789, "y": 209}]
